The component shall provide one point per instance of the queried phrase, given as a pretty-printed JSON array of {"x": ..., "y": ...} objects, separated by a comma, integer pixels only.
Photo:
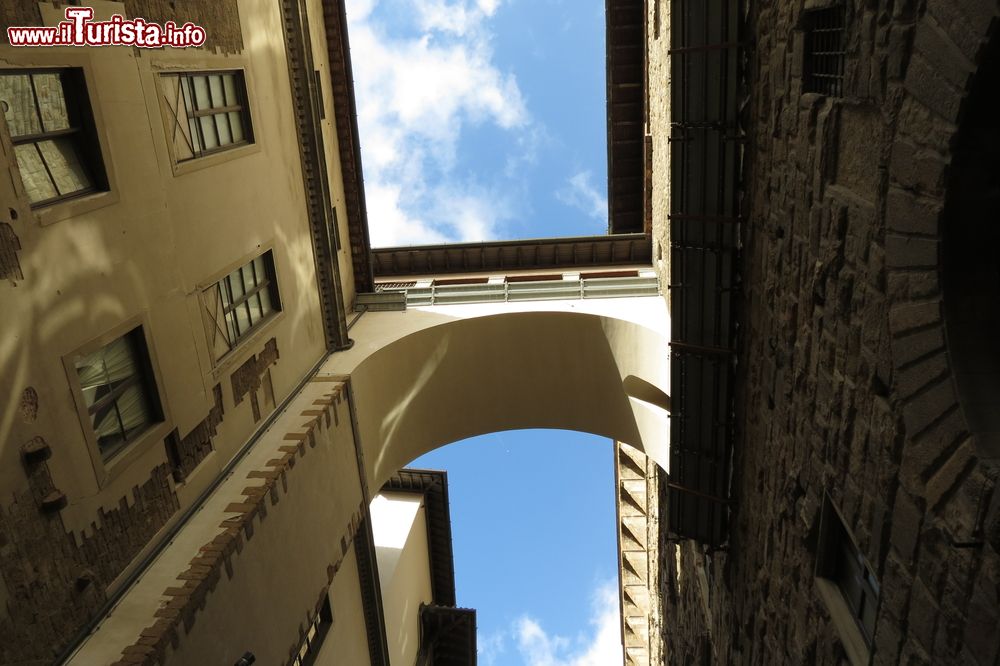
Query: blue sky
[{"x": 482, "y": 120}]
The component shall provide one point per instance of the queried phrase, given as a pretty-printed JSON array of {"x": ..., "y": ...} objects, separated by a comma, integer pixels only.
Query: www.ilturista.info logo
[{"x": 79, "y": 29}]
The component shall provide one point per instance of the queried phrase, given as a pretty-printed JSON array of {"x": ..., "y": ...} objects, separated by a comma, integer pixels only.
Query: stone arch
[
  {"x": 951, "y": 39},
  {"x": 544, "y": 369}
]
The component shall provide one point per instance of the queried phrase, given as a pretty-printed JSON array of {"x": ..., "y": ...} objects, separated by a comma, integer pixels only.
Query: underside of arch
[{"x": 510, "y": 371}]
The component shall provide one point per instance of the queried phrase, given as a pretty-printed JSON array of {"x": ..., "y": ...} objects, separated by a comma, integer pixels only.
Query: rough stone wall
[
  {"x": 658, "y": 132},
  {"x": 845, "y": 386},
  {"x": 54, "y": 581},
  {"x": 219, "y": 18}
]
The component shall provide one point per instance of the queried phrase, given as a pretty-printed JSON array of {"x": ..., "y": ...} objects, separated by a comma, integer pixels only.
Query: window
[
  {"x": 240, "y": 302},
  {"x": 119, "y": 392},
  {"x": 825, "y": 50},
  {"x": 51, "y": 126},
  {"x": 314, "y": 636},
  {"x": 208, "y": 112},
  {"x": 847, "y": 584}
]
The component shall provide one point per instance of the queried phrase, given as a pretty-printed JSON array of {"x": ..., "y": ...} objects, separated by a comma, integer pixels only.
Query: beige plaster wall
[
  {"x": 404, "y": 569},
  {"x": 145, "y": 250},
  {"x": 347, "y": 641},
  {"x": 305, "y": 474},
  {"x": 553, "y": 364}
]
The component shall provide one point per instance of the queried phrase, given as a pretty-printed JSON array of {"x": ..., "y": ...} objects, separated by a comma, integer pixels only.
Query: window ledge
[
  {"x": 843, "y": 620},
  {"x": 213, "y": 159},
  {"x": 62, "y": 210},
  {"x": 108, "y": 470}
]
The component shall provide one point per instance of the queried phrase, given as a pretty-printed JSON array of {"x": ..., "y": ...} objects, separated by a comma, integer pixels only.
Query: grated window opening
[{"x": 825, "y": 51}]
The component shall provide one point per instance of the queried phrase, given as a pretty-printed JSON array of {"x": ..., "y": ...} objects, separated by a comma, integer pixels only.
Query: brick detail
[
  {"x": 219, "y": 18},
  {"x": 247, "y": 378},
  {"x": 10, "y": 267},
  {"x": 57, "y": 581},
  {"x": 187, "y": 595},
  {"x": 186, "y": 453}
]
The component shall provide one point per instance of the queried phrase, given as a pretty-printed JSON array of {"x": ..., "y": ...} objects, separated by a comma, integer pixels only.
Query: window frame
[
  {"x": 171, "y": 116},
  {"x": 210, "y": 302},
  {"x": 836, "y": 541},
  {"x": 109, "y": 469},
  {"x": 83, "y": 129}
]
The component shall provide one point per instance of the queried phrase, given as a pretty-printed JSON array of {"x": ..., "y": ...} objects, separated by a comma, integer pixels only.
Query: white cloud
[
  {"x": 581, "y": 194},
  {"x": 418, "y": 87},
  {"x": 489, "y": 647},
  {"x": 601, "y": 647}
]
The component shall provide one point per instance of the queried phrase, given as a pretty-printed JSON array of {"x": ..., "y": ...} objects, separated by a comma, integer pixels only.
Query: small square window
[
  {"x": 847, "y": 583},
  {"x": 119, "y": 392},
  {"x": 825, "y": 50},
  {"x": 52, "y": 128},
  {"x": 208, "y": 112},
  {"x": 240, "y": 302}
]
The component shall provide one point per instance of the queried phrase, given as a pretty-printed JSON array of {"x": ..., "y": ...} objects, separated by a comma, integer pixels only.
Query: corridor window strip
[{"x": 645, "y": 284}]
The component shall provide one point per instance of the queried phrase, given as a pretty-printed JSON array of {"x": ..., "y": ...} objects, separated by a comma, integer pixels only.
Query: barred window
[
  {"x": 825, "y": 50},
  {"x": 119, "y": 392},
  {"x": 52, "y": 128},
  {"x": 240, "y": 302},
  {"x": 208, "y": 112}
]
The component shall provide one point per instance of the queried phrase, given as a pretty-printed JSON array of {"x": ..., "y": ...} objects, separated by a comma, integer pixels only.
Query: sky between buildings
[{"x": 484, "y": 120}]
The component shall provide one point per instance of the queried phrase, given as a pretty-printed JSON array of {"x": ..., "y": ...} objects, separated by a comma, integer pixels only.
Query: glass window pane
[
  {"x": 222, "y": 127},
  {"x": 243, "y": 319},
  {"x": 236, "y": 284},
  {"x": 256, "y": 309},
  {"x": 197, "y": 144},
  {"x": 265, "y": 301},
  {"x": 64, "y": 165},
  {"x": 231, "y": 325},
  {"x": 36, "y": 179},
  {"x": 18, "y": 104},
  {"x": 229, "y": 83},
  {"x": 200, "y": 85},
  {"x": 236, "y": 126},
  {"x": 215, "y": 89},
  {"x": 208, "y": 133},
  {"x": 259, "y": 269},
  {"x": 133, "y": 410},
  {"x": 224, "y": 293},
  {"x": 248, "y": 280},
  {"x": 187, "y": 90},
  {"x": 51, "y": 101}
]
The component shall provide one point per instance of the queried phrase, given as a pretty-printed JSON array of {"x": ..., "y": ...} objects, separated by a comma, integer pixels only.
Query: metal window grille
[
  {"x": 825, "y": 50},
  {"x": 210, "y": 112},
  {"x": 51, "y": 126},
  {"x": 241, "y": 301}
]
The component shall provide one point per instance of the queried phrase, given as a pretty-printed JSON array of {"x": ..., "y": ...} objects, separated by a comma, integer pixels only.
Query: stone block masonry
[{"x": 846, "y": 387}]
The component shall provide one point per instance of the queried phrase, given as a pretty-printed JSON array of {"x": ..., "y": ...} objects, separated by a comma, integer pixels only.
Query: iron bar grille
[
  {"x": 705, "y": 220},
  {"x": 825, "y": 50}
]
